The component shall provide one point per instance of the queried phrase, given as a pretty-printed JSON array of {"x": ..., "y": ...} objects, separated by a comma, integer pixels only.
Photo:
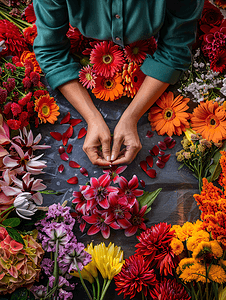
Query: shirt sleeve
[
  {"x": 51, "y": 46},
  {"x": 176, "y": 36}
]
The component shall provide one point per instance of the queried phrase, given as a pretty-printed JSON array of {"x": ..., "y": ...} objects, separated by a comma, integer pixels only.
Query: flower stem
[
  {"x": 83, "y": 283},
  {"x": 56, "y": 266},
  {"x": 142, "y": 293},
  {"x": 98, "y": 288},
  {"x": 94, "y": 291},
  {"x": 105, "y": 280},
  {"x": 105, "y": 289}
]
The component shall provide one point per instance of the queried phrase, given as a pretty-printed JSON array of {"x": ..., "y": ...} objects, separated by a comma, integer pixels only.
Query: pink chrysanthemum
[
  {"x": 107, "y": 59},
  {"x": 87, "y": 77}
]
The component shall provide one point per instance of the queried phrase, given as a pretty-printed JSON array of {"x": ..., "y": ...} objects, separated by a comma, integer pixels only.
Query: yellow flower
[
  {"x": 108, "y": 260},
  {"x": 185, "y": 263},
  {"x": 222, "y": 293},
  {"x": 85, "y": 275},
  {"x": 199, "y": 236},
  {"x": 195, "y": 272},
  {"x": 177, "y": 246},
  {"x": 198, "y": 225},
  {"x": 217, "y": 274},
  {"x": 91, "y": 267},
  {"x": 216, "y": 249},
  {"x": 188, "y": 133},
  {"x": 201, "y": 250},
  {"x": 187, "y": 231}
]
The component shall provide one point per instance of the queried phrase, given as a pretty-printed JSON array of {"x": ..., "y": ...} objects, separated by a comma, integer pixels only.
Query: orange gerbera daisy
[
  {"x": 108, "y": 88},
  {"x": 47, "y": 109},
  {"x": 170, "y": 116},
  {"x": 31, "y": 57},
  {"x": 209, "y": 119},
  {"x": 132, "y": 77}
]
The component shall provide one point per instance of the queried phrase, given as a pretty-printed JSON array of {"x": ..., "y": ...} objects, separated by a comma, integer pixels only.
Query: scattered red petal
[
  {"x": 164, "y": 158},
  {"x": 161, "y": 152},
  {"x": 74, "y": 122},
  {"x": 149, "y": 134},
  {"x": 64, "y": 139},
  {"x": 162, "y": 145},
  {"x": 173, "y": 143},
  {"x": 149, "y": 160},
  {"x": 154, "y": 151},
  {"x": 84, "y": 172},
  {"x": 160, "y": 164},
  {"x": 74, "y": 164},
  {"x": 151, "y": 173},
  {"x": 68, "y": 133},
  {"x": 168, "y": 140},
  {"x": 64, "y": 156},
  {"x": 73, "y": 180},
  {"x": 143, "y": 165},
  {"x": 56, "y": 135},
  {"x": 61, "y": 149},
  {"x": 66, "y": 119},
  {"x": 69, "y": 148},
  {"x": 142, "y": 183},
  {"x": 82, "y": 133},
  {"x": 60, "y": 168}
]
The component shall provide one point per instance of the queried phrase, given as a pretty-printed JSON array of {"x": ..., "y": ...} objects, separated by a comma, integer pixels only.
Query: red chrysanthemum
[
  {"x": 30, "y": 34},
  {"x": 218, "y": 63},
  {"x": 13, "y": 124},
  {"x": 30, "y": 13},
  {"x": 78, "y": 41},
  {"x": 134, "y": 277},
  {"x": 107, "y": 59},
  {"x": 132, "y": 77},
  {"x": 154, "y": 241},
  {"x": 16, "y": 109},
  {"x": 14, "y": 42},
  {"x": 170, "y": 290}
]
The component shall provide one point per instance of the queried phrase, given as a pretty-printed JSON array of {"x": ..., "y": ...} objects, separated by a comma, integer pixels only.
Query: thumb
[
  {"x": 116, "y": 148},
  {"x": 106, "y": 148}
]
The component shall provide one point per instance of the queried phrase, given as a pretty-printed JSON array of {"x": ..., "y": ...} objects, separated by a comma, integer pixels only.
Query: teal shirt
[{"x": 124, "y": 22}]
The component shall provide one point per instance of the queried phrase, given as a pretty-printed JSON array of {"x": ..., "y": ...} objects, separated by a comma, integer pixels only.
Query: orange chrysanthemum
[
  {"x": 209, "y": 119},
  {"x": 30, "y": 34},
  {"x": 31, "y": 57},
  {"x": 170, "y": 116},
  {"x": 108, "y": 88},
  {"x": 132, "y": 77},
  {"x": 47, "y": 109}
]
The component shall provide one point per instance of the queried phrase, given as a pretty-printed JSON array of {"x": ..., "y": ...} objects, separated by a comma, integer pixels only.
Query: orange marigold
[
  {"x": 31, "y": 57},
  {"x": 108, "y": 88},
  {"x": 169, "y": 117},
  {"x": 132, "y": 77},
  {"x": 209, "y": 119},
  {"x": 47, "y": 109}
]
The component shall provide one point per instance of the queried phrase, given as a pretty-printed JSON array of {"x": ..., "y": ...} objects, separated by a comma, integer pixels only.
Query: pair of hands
[{"x": 98, "y": 134}]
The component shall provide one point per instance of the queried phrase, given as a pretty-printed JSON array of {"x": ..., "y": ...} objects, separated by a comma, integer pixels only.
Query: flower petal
[
  {"x": 73, "y": 180},
  {"x": 149, "y": 134},
  {"x": 56, "y": 135},
  {"x": 74, "y": 164},
  {"x": 151, "y": 173},
  {"x": 68, "y": 133},
  {"x": 74, "y": 122},
  {"x": 64, "y": 156},
  {"x": 60, "y": 168},
  {"x": 84, "y": 172},
  {"x": 131, "y": 231},
  {"x": 143, "y": 165},
  {"x": 82, "y": 133},
  {"x": 142, "y": 183},
  {"x": 61, "y": 150},
  {"x": 164, "y": 158},
  {"x": 66, "y": 118},
  {"x": 149, "y": 160},
  {"x": 160, "y": 164},
  {"x": 154, "y": 151},
  {"x": 162, "y": 145},
  {"x": 69, "y": 148}
]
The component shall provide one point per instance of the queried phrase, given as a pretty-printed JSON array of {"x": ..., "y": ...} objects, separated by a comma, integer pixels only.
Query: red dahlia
[
  {"x": 170, "y": 290},
  {"x": 134, "y": 277},
  {"x": 30, "y": 13}
]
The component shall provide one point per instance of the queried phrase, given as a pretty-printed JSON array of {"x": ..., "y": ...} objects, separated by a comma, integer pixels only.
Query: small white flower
[{"x": 24, "y": 207}]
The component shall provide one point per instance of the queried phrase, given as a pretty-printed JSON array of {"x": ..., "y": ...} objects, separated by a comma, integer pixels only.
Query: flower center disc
[
  {"x": 45, "y": 110},
  {"x": 169, "y": 114},
  {"x": 107, "y": 59},
  {"x": 108, "y": 84},
  {"x": 89, "y": 76},
  {"x": 135, "y": 50},
  {"x": 212, "y": 121}
]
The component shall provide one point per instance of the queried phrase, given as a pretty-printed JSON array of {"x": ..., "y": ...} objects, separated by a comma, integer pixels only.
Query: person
[{"x": 123, "y": 22}]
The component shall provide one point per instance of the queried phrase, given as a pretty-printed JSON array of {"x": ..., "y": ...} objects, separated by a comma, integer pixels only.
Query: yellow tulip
[
  {"x": 85, "y": 275},
  {"x": 108, "y": 260}
]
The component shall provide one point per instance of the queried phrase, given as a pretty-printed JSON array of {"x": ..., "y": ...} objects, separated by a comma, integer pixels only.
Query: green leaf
[
  {"x": 51, "y": 192},
  {"x": 215, "y": 168},
  {"x": 22, "y": 294},
  {"x": 180, "y": 167},
  {"x": 148, "y": 198},
  {"x": 14, "y": 234},
  {"x": 12, "y": 222}
]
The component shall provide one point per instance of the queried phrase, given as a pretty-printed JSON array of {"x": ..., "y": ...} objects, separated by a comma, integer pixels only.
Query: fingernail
[
  {"x": 108, "y": 158},
  {"x": 112, "y": 157}
]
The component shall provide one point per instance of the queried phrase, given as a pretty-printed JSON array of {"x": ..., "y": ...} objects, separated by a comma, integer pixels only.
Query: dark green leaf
[
  {"x": 180, "y": 167},
  {"x": 215, "y": 168},
  {"x": 14, "y": 234},
  {"x": 22, "y": 294},
  {"x": 51, "y": 192},
  {"x": 148, "y": 198},
  {"x": 12, "y": 222}
]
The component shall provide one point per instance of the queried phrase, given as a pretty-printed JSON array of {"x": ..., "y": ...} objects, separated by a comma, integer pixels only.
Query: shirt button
[
  {"x": 117, "y": 16},
  {"x": 117, "y": 38}
]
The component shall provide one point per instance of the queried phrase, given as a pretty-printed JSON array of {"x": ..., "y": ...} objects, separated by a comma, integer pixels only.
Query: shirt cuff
[
  {"x": 63, "y": 74},
  {"x": 160, "y": 71}
]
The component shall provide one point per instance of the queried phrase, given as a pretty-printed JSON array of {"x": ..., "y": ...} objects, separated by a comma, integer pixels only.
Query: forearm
[
  {"x": 150, "y": 90},
  {"x": 79, "y": 97}
]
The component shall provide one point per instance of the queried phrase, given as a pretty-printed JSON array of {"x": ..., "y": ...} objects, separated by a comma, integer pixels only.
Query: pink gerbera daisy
[
  {"x": 107, "y": 59},
  {"x": 87, "y": 77}
]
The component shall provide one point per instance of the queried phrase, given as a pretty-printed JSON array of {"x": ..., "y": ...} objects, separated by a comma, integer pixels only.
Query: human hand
[
  {"x": 98, "y": 134},
  {"x": 125, "y": 133}
]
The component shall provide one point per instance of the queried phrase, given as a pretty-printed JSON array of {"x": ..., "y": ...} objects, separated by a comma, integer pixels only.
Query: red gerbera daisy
[
  {"x": 30, "y": 13},
  {"x": 169, "y": 289},
  {"x": 134, "y": 277},
  {"x": 107, "y": 59},
  {"x": 136, "y": 51},
  {"x": 14, "y": 41}
]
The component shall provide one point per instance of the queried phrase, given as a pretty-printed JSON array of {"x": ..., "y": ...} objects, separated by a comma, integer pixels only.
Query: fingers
[
  {"x": 106, "y": 147},
  {"x": 129, "y": 154},
  {"x": 116, "y": 148},
  {"x": 95, "y": 157}
]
